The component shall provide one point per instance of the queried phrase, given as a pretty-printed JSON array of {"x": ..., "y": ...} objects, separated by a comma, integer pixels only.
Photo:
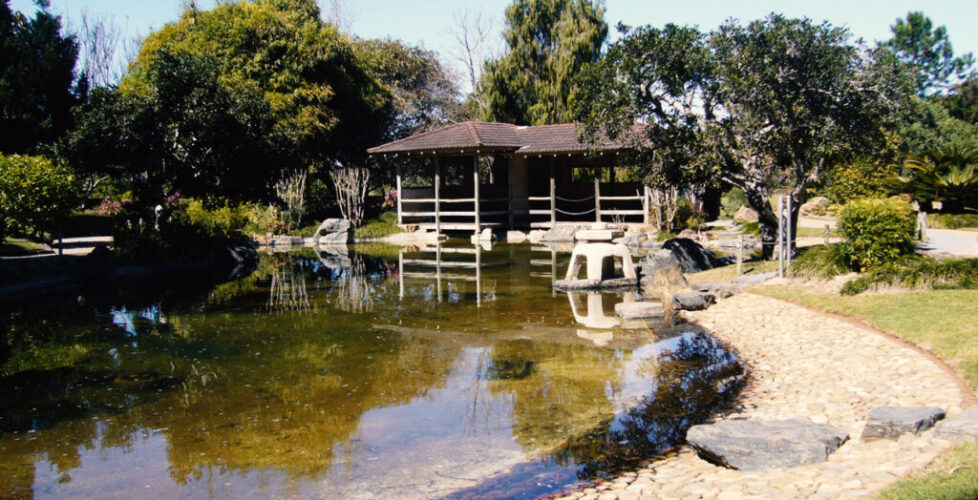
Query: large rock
[
  {"x": 661, "y": 259},
  {"x": 745, "y": 214},
  {"x": 693, "y": 301},
  {"x": 573, "y": 285},
  {"x": 692, "y": 257},
  {"x": 639, "y": 310},
  {"x": 963, "y": 427},
  {"x": 639, "y": 240},
  {"x": 334, "y": 232},
  {"x": 816, "y": 206},
  {"x": 722, "y": 290},
  {"x": 562, "y": 232},
  {"x": 891, "y": 422},
  {"x": 760, "y": 445}
]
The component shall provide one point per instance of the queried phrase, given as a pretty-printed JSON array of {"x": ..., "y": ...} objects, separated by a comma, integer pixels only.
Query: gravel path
[{"x": 807, "y": 364}]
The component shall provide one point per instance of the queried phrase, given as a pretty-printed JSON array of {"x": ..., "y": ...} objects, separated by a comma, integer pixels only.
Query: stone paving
[{"x": 810, "y": 365}]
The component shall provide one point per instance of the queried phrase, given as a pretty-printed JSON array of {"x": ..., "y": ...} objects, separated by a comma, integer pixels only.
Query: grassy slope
[{"x": 17, "y": 246}]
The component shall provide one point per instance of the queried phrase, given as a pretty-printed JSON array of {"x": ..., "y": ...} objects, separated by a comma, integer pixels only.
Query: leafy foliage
[
  {"x": 952, "y": 221},
  {"x": 384, "y": 225},
  {"x": 34, "y": 192},
  {"x": 948, "y": 175},
  {"x": 774, "y": 103},
  {"x": 731, "y": 201},
  {"x": 918, "y": 271},
  {"x": 876, "y": 231},
  {"x": 550, "y": 43},
  {"x": 36, "y": 81},
  {"x": 927, "y": 50}
]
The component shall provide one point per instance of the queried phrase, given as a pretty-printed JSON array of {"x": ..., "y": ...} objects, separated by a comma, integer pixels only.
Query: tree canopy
[
  {"x": 765, "y": 106},
  {"x": 929, "y": 53},
  {"x": 550, "y": 43},
  {"x": 37, "y": 77}
]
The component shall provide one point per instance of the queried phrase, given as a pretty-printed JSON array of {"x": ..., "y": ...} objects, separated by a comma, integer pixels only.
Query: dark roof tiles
[{"x": 490, "y": 136}]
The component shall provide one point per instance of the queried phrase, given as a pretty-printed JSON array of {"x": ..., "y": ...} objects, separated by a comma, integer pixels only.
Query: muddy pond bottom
[{"x": 373, "y": 372}]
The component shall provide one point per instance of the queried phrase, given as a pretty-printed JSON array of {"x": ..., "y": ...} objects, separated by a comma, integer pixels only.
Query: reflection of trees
[
  {"x": 565, "y": 394},
  {"x": 354, "y": 294},
  {"x": 692, "y": 380},
  {"x": 287, "y": 291}
]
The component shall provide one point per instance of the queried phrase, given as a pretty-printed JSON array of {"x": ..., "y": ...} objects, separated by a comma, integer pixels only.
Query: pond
[{"x": 453, "y": 371}]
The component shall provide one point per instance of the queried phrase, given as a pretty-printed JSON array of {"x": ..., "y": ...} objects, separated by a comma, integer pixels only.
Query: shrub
[
  {"x": 384, "y": 225},
  {"x": 820, "y": 262},
  {"x": 876, "y": 231},
  {"x": 918, "y": 271},
  {"x": 952, "y": 221},
  {"x": 731, "y": 201},
  {"x": 34, "y": 192},
  {"x": 689, "y": 217}
]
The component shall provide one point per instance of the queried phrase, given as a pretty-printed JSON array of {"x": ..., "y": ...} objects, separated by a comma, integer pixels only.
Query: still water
[{"x": 375, "y": 373}]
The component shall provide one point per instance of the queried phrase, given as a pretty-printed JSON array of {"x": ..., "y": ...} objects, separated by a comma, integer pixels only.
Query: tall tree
[
  {"x": 226, "y": 101},
  {"x": 928, "y": 51},
  {"x": 765, "y": 107},
  {"x": 550, "y": 43},
  {"x": 37, "y": 76}
]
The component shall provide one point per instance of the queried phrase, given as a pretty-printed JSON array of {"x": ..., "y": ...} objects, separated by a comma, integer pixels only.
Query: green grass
[
  {"x": 941, "y": 321},
  {"x": 952, "y": 221},
  {"x": 952, "y": 476},
  {"x": 14, "y": 247},
  {"x": 808, "y": 232},
  {"x": 725, "y": 273}
]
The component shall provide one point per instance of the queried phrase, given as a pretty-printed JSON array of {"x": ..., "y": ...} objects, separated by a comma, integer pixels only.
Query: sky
[{"x": 429, "y": 22}]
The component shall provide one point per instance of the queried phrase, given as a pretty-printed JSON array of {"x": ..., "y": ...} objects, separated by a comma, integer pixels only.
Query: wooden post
[
  {"x": 789, "y": 245},
  {"x": 553, "y": 194},
  {"x": 400, "y": 220},
  {"x": 597, "y": 195},
  {"x": 781, "y": 236},
  {"x": 509, "y": 191},
  {"x": 740, "y": 255},
  {"x": 645, "y": 204},
  {"x": 437, "y": 195},
  {"x": 475, "y": 192},
  {"x": 478, "y": 274}
]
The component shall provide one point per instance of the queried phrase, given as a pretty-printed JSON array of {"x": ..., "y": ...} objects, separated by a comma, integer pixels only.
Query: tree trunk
[{"x": 757, "y": 199}]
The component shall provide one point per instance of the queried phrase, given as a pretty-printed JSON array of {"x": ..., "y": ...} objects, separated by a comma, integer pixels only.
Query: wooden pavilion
[{"x": 498, "y": 175}]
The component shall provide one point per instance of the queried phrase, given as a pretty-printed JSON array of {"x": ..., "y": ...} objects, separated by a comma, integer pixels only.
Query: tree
[
  {"x": 927, "y": 50},
  {"x": 224, "y": 103},
  {"x": 550, "y": 43},
  {"x": 767, "y": 107},
  {"x": 473, "y": 46},
  {"x": 37, "y": 79},
  {"x": 34, "y": 192},
  {"x": 962, "y": 101},
  {"x": 99, "y": 39}
]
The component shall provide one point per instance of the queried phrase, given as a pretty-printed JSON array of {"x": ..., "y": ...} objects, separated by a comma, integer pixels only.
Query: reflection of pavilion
[{"x": 448, "y": 265}]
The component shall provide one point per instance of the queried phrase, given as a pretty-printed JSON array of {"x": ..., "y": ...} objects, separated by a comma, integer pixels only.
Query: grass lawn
[
  {"x": 13, "y": 247},
  {"x": 805, "y": 232},
  {"x": 942, "y": 321},
  {"x": 725, "y": 273}
]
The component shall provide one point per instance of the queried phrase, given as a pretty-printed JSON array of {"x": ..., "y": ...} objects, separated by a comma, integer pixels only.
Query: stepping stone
[
  {"x": 722, "y": 290},
  {"x": 754, "y": 279},
  {"x": 891, "y": 422},
  {"x": 963, "y": 427},
  {"x": 639, "y": 310},
  {"x": 762, "y": 445},
  {"x": 693, "y": 301},
  {"x": 608, "y": 284}
]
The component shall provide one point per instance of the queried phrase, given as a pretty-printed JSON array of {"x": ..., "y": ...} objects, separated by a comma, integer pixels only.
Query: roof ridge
[
  {"x": 474, "y": 133},
  {"x": 422, "y": 134}
]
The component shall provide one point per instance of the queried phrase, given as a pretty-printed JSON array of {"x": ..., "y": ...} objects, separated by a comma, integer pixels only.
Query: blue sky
[{"x": 428, "y": 22}]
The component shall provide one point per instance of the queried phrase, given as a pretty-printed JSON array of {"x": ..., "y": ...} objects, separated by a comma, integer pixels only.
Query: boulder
[
  {"x": 639, "y": 240},
  {"x": 816, "y": 206},
  {"x": 664, "y": 283},
  {"x": 284, "y": 240},
  {"x": 891, "y": 422},
  {"x": 662, "y": 259},
  {"x": 693, "y": 301},
  {"x": 963, "y": 427},
  {"x": 762, "y": 445},
  {"x": 745, "y": 214},
  {"x": 639, "y": 310},
  {"x": 563, "y": 232},
  {"x": 334, "y": 232},
  {"x": 692, "y": 257},
  {"x": 572, "y": 285}
]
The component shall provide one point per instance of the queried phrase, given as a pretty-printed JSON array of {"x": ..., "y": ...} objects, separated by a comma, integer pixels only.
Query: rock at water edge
[
  {"x": 963, "y": 427},
  {"x": 693, "y": 301}
]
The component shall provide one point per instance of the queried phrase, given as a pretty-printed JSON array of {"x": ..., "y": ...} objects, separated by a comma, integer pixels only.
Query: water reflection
[{"x": 368, "y": 387}]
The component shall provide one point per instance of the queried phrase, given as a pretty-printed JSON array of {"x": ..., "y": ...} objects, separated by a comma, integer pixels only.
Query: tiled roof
[{"x": 467, "y": 137}]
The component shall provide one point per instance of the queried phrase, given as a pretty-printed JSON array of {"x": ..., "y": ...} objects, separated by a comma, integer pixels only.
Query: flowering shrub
[{"x": 390, "y": 199}]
